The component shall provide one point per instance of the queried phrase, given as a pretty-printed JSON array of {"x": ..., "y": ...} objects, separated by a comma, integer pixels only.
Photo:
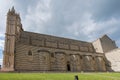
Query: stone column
[
  {"x": 88, "y": 63},
  {"x": 100, "y": 64},
  {"x": 75, "y": 63},
  {"x": 60, "y": 63}
]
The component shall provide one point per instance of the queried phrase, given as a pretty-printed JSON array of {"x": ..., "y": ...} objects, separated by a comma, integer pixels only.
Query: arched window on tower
[
  {"x": 30, "y": 56},
  {"x": 52, "y": 54},
  {"x": 30, "y": 53}
]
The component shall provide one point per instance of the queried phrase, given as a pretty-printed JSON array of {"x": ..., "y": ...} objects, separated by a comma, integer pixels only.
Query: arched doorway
[{"x": 68, "y": 66}]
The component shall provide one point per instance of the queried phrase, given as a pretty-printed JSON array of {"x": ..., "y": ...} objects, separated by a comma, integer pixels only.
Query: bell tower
[{"x": 13, "y": 29}]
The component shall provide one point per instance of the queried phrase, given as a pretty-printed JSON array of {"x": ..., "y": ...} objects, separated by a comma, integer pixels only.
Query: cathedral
[{"x": 29, "y": 51}]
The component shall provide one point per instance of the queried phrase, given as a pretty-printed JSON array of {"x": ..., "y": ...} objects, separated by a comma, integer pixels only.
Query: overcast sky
[{"x": 84, "y": 20}]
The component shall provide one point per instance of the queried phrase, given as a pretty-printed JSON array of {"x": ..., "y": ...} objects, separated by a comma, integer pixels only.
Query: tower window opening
[
  {"x": 52, "y": 54},
  {"x": 30, "y": 53}
]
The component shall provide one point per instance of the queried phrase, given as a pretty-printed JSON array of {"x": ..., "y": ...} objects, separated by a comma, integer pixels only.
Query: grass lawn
[{"x": 59, "y": 76}]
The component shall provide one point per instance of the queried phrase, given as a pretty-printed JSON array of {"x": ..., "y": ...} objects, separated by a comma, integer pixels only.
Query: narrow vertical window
[
  {"x": 52, "y": 54},
  {"x": 30, "y": 53}
]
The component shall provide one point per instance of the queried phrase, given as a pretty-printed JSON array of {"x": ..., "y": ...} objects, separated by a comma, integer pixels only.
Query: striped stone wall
[{"x": 52, "y": 59}]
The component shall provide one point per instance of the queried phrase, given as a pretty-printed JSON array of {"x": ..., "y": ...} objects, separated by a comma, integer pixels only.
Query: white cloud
[
  {"x": 92, "y": 29},
  {"x": 1, "y": 44},
  {"x": 4, "y": 6},
  {"x": 37, "y": 16},
  {"x": 2, "y": 36},
  {"x": 1, "y": 60},
  {"x": 67, "y": 18}
]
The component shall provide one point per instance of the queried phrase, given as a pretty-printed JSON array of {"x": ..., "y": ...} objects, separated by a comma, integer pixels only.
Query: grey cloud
[
  {"x": 77, "y": 19},
  {"x": 105, "y": 9},
  {"x": 64, "y": 14},
  {"x": 74, "y": 19}
]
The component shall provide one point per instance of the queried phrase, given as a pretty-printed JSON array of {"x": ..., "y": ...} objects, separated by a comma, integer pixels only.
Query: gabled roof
[{"x": 106, "y": 36}]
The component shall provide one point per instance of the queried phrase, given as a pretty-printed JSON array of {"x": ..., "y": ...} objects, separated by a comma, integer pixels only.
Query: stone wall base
[{"x": 7, "y": 69}]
